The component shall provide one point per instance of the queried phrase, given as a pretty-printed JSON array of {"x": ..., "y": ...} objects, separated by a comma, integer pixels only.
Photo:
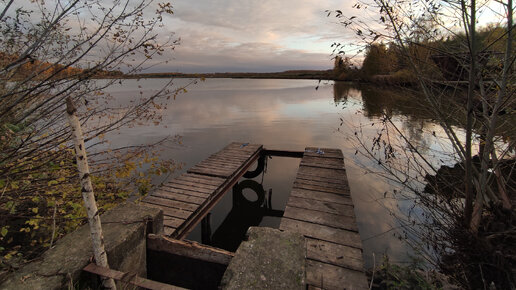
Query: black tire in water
[
  {"x": 258, "y": 170},
  {"x": 254, "y": 186}
]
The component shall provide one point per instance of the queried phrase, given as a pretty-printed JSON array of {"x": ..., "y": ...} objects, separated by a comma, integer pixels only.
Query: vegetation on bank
[
  {"x": 47, "y": 56},
  {"x": 440, "y": 60},
  {"x": 411, "y": 276},
  {"x": 469, "y": 234}
]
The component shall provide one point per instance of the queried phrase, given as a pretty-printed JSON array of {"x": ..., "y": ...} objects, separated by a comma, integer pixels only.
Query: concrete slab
[
  {"x": 270, "y": 259},
  {"x": 124, "y": 228}
]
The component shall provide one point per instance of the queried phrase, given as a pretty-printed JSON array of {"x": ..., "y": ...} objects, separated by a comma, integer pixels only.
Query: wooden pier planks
[
  {"x": 187, "y": 198},
  {"x": 320, "y": 207}
]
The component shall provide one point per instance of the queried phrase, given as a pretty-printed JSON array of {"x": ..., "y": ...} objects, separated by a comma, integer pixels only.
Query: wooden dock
[
  {"x": 320, "y": 208},
  {"x": 188, "y": 198}
]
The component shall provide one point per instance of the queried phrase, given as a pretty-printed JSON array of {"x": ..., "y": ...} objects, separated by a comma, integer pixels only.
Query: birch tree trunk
[{"x": 87, "y": 193}]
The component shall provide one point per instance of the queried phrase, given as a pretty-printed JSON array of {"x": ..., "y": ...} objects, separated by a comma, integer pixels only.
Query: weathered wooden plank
[
  {"x": 328, "y": 276},
  {"x": 316, "y": 231},
  {"x": 234, "y": 155},
  {"x": 172, "y": 222},
  {"x": 323, "y": 184},
  {"x": 324, "y": 166},
  {"x": 193, "y": 184},
  {"x": 171, "y": 203},
  {"x": 214, "y": 168},
  {"x": 331, "y": 180},
  {"x": 172, "y": 212},
  {"x": 168, "y": 231},
  {"x": 322, "y": 196},
  {"x": 190, "y": 177},
  {"x": 323, "y": 172},
  {"x": 208, "y": 172},
  {"x": 189, "y": 249},
  {"x": 224, "y": 161},
  {"x": 327, "y": 165},
  {"x": 128, "y": 278},
  {"x": 184, "y": 191},
  {"x": 324, "y": 206},
  {"x": 323, "y": 160},
  {"x": 202, "y": 178},
  {"x": 331, "y": 253},
  {"x": 320, "y": 188},
  {"x": 322, "y": 218},
  {"x": 218, "y": 167},
  {"x": 187, "y": 187},
  {"x": 179, "y": 197}
]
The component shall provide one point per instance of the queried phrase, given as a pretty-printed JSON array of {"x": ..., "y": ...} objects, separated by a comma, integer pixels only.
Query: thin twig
[
  {"x": 372, "y": 275},
  {"x": 5, "y": 188},
  {"x": 53, "y": 226}
]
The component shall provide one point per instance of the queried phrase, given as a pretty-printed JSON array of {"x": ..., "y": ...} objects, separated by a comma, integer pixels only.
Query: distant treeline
[
  {"x": 29, "y": 67},
  {"x": 291, "y": 74},
  {"x": 444, "y": 59}
]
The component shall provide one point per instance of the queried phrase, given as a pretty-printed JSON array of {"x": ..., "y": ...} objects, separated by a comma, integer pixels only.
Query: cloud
[{"x": 254, "y": 35}]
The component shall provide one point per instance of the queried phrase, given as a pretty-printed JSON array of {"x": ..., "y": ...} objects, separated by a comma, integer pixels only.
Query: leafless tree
[
  {"x": 474, "y": 107},
  {"x": 54, "y": 50}
]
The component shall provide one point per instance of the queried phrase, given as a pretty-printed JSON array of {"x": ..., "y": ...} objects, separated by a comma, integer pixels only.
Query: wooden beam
[
  {"x": 128, "y": 278},
  {"x": 188, "y": 249},
  {"x": 283, "y": 153}
]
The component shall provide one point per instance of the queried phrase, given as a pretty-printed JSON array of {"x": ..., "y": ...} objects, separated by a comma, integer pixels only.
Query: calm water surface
[{"x": 281, "y": 114}]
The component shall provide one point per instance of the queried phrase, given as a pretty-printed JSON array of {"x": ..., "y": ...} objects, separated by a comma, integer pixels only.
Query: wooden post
[{"x": 87, "y": 193}]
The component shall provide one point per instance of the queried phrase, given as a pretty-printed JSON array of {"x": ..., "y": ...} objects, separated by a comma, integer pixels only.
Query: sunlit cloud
[{"x": 253, "y": 36}]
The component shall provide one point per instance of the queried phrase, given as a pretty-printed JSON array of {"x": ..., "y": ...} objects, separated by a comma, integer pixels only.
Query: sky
[{"x": 253, "y": 35}]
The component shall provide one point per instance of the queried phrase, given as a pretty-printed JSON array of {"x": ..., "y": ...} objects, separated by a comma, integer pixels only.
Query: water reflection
[
  {"x": 289, "y": 115},
  {"x": 243, "y": 214}
]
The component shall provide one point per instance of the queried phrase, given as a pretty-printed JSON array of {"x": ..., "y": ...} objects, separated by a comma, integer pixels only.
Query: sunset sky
[
  {"x": 255, "y": 35},
  {"x": 264, "y": 35}
]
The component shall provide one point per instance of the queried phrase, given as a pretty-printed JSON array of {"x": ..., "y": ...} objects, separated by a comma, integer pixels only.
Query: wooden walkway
[
  {"x": 188, "y": 198},
  {"x": 320, "y": 208}
]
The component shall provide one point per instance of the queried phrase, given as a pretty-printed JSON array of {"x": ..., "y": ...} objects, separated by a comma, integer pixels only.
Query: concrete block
[
  {"x": 270, "y": 259},
  {"x": 124, "y": 229}
]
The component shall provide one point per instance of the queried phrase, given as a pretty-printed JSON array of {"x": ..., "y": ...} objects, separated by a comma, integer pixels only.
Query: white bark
[{"x": 87, "y": 193}]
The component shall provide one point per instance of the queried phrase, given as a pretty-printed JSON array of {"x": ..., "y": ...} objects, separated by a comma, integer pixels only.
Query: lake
[{"x": 288, "y": 115}]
